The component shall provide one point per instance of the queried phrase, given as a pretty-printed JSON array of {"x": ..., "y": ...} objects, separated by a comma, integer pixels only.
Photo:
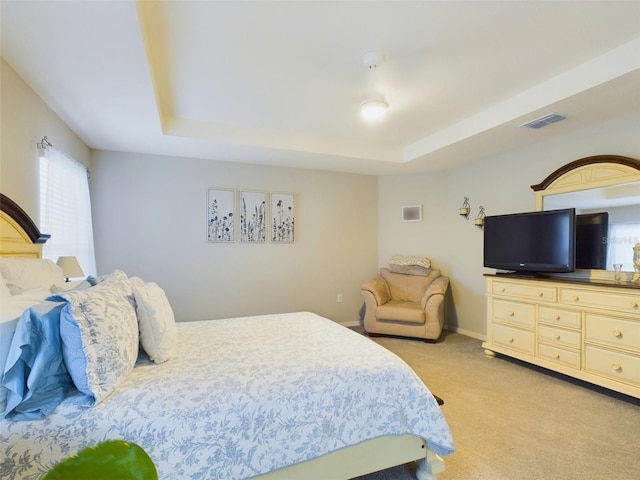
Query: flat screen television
[
  {"x": 592, "y": 230},
  {"x": 531, "y": 242}
]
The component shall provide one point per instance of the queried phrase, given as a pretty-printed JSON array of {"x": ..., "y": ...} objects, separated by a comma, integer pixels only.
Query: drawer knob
[
  {"x": 617, "y": 333},
  {"x": 634, "y": 304},
  {"x": 557, "y": 356},
  {"x": 576, "y": 298},
  {"x": 541, "y": 294},
  {"x": 616, "y": 366},
  {"x": 511, "y": 313},
  {"x": 557, "y": 337},
  {"x": 557, "y": 317},
  {"x": 510, "y": 339},
  {"x": 503, "y": 289}
]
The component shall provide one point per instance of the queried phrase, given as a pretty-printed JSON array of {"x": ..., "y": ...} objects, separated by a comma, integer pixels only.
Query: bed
[{"x": 284, "y": 396}]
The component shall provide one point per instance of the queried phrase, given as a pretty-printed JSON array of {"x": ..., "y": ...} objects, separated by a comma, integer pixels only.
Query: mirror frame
[{"x": 587, "y": 173}]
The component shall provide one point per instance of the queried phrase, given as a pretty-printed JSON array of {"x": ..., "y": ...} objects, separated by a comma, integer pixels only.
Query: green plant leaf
[{"x": 113, "y": 459}]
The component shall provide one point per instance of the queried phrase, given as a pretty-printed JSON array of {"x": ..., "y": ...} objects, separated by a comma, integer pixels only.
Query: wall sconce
[
  {"x": 465, "y": 209},
  {"x": 43, "y": 145},
  {"x": 479, "y": 221}
]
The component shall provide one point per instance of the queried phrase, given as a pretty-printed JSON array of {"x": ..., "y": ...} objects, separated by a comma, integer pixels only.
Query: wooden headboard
[{"x": 19, "y": 236}]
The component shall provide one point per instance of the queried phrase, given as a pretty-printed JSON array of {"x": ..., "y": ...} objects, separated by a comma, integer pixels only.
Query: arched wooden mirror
[{"x": 605, "y": 191}]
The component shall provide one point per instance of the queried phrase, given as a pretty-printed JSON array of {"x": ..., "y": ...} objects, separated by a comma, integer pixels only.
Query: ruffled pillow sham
[{"x": 99, "y": 331}]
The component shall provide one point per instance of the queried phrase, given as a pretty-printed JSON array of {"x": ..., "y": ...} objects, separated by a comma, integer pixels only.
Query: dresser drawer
[
  {"x": 563, "y": 318},
  {"x": 514, "y": 313},
  {"x": 520, "y": 290},
  {"x": 587, "y": 329},
  {"x": 558, "y": 355},
  {"x": 622, "y": 302},
  {"x": 560, "y": 337},
  {"x": 619, "y": 366},
  {"x": 613, "y": 331},
  {"x": 514, "y": 338}
]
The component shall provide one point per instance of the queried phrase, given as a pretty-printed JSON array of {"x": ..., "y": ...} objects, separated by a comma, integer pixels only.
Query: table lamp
[{"x": 70, "y": 267}]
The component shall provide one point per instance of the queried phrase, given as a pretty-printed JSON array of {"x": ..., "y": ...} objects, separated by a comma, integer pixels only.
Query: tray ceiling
[{"x": 281, "y": 83}]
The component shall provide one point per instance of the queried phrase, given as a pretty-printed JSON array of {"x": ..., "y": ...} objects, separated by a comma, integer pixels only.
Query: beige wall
[
  {"x": 502, "y": 185},
  {"x": 414, "y": 238},
  {"x": 149, "y": 220},
  {"x": 150, "y": 216},
  {"x": 24, "y": 119}
]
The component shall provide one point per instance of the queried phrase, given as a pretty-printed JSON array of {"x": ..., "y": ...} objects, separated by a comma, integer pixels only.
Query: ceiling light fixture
[
  {"x": 374, "y": 109},
  {"x": 373, "y": 106}
]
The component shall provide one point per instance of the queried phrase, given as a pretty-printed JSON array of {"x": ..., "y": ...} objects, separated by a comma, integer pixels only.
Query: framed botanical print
[
  {"x": 221, "y": 215},
  {"x": 282, "y": 216},
  {"x": 253, "y": 217}
]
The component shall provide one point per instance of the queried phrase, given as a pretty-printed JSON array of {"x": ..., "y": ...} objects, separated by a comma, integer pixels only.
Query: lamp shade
[{"x": 70, "y": 267}]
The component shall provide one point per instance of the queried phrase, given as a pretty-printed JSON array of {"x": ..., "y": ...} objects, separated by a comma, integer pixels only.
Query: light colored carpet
[{"x": 514, "y": 421}]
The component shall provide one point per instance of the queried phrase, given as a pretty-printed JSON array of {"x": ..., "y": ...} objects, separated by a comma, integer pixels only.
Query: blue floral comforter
[{"x": 243, "y": 397}]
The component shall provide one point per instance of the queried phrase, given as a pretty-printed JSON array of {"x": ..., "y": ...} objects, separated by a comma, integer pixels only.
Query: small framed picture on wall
[{"x": 412, "y": 213}]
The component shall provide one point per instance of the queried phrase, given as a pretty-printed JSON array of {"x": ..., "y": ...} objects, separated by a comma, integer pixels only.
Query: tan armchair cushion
[
  {"x": 395, "y": 310},
  {"x": 408, "y": 288},
  {"x": 379, "y": 288}
]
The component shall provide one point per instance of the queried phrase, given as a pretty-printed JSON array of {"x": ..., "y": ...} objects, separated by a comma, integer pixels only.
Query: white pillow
[
  {"x": 158, "y": 331},
  {"x": 23, "y": 274},
  {"x": 4, "y": 290},
  {"x": 37, "y": 294},
  {"x": 136, "y": 282}
]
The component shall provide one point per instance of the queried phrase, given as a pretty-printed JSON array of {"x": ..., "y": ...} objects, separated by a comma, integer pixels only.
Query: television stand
[{"x": 583, "y": 329}]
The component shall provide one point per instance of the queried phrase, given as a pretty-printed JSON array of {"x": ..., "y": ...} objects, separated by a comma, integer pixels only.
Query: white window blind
[{"x": 65, "y": 209}]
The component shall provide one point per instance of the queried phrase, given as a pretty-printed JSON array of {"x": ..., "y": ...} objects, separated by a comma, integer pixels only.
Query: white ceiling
[{"x": 280, "y": 82}]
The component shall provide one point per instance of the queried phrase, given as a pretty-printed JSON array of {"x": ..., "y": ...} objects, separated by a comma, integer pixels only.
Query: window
[
  {"x": 622, "y": 239},
  {"x": 65, "y": 209}
]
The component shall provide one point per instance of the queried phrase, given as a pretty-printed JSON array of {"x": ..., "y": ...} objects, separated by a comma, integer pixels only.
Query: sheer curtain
[
  {"x": 622, "y": 239},
  {"x": 65, "y": 209}
]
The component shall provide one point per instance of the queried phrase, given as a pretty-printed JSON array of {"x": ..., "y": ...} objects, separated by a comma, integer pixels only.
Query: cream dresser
[{"x": 587, "y": 330}]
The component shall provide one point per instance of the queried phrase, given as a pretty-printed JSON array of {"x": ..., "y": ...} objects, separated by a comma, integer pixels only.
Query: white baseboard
[
  {"x": 353, "y": 323},
  {"x": 468, "y": 333},
  {"x": 471, "y": 334}
]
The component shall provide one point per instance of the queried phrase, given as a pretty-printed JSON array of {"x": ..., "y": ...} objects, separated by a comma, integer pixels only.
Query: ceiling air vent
[{"x": 543, "y": 121}]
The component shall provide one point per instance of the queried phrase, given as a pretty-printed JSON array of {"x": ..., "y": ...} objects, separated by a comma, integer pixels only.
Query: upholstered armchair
[{"x": 405, "y": 305}]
